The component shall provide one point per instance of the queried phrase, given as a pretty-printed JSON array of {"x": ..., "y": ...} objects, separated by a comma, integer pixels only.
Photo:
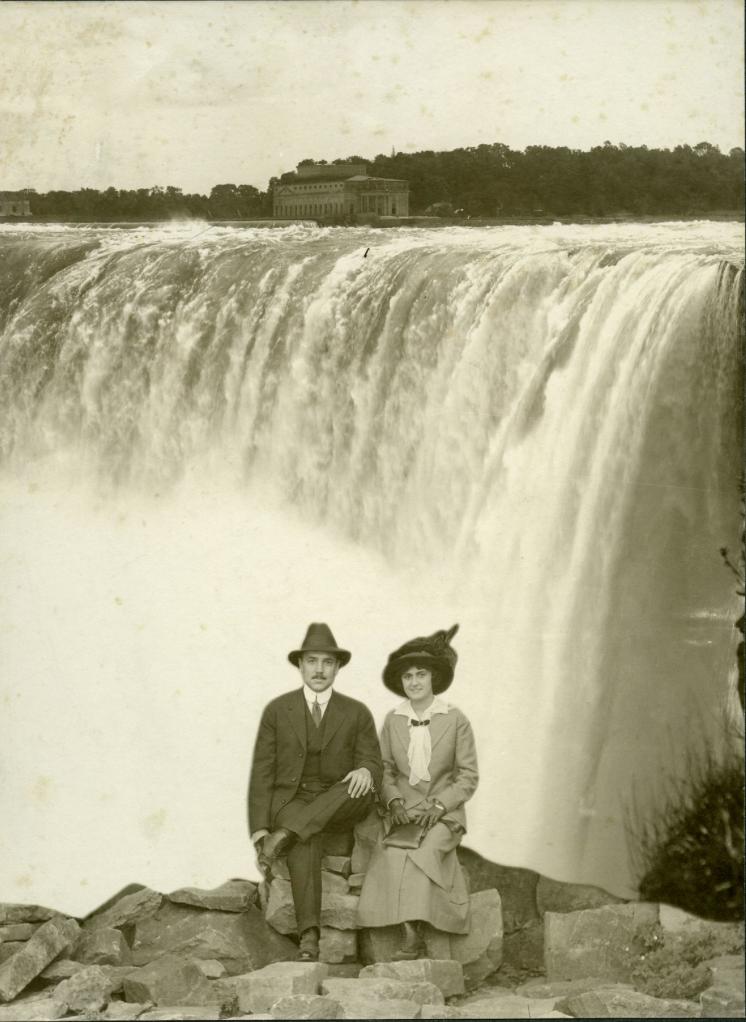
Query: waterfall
[{"x": 533, "y": 431}]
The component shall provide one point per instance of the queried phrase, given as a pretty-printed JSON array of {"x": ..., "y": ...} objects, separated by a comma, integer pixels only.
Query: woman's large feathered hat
[{"x": 432, "y": 651}]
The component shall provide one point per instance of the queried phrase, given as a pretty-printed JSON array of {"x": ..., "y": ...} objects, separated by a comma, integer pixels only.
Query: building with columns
[{"x": 338, "y": 191}]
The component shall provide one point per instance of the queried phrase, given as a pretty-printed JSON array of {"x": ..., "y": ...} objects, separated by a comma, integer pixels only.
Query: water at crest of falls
[{"x": 210, "y": 437}]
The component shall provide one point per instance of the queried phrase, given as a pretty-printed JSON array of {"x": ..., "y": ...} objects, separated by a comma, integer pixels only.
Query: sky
[{"x": 194, "y": 94}]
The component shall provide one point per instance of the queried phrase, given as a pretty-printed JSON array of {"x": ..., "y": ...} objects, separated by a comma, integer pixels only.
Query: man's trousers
[{"x": 309, "y": 815}]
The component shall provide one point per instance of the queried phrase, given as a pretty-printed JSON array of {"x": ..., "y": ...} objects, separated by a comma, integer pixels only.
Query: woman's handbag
[{"x": 405, "y": 835}]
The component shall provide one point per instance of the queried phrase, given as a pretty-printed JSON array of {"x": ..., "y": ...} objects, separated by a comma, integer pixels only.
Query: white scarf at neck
[{"x": 420, "y": 748}]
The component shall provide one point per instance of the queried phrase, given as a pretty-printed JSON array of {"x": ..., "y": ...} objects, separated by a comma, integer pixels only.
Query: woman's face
[{"x": 417, "y": 683}]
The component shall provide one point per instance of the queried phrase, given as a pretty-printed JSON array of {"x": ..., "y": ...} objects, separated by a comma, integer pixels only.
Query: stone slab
[
  {"x": 62, "y": 968},
  {"x": 302, "y": 1006},
  {"x": 615, "y": 1002},
  {"x": 506, "y": 1006},
  {"x": 50, "y": 940},
  {"x": 180, "y": 1012},
  {"x": 338, "y": 905},
  {"x": 241, "y": 941},
  {"x": 102, "y": 946},
  {"x": 447, "y": 976},
  {"x": 257, "y": 991},
  {"x": 722, "y": 1001},
  {"x": 232, "y": 896},
  {"x": 606, "y": 942},
  {"x": 17, "y": 931},
  {"x": 337, "y": 864},
  {"x": 90, "y": 989},
  {"x": 377, "y": 989},
  {"x": 170, "y": 980},
  {"x": 11, "y": 912},
  {"x": 125, "y": 911},
  {"x": 28, "y": 1009}
]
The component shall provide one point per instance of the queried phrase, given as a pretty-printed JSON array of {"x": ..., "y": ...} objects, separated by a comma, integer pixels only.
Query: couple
[{"x": 318, "y": 769}]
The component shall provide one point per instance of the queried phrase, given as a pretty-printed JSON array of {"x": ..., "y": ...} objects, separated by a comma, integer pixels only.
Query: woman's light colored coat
[{"x": 424, "y": 883}]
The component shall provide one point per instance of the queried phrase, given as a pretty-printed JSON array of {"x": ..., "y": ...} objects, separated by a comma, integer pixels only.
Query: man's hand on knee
[{"x": 360, "y": 780}]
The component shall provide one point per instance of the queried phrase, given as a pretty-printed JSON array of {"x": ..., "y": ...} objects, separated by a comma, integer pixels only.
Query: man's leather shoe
[
  {"x": 275, "y": 843},
  {"x": 308, "y": 948}
]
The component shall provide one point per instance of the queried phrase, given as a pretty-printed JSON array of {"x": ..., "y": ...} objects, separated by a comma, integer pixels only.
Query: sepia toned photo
[{"x": 371, "y": 509}]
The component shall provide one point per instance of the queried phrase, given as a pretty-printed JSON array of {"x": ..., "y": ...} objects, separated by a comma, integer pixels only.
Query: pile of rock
[
  {"x": 344, "y": 942},
  {"x": 198, "y": 954}
]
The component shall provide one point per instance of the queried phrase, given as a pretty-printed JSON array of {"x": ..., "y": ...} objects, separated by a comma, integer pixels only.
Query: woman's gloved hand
[
  {"x": 399, "y": 814},
  {"x": 429, "y": 814}
]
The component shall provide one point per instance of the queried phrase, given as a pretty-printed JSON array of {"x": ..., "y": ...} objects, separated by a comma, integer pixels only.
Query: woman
[{"x": 429, "y": 772}]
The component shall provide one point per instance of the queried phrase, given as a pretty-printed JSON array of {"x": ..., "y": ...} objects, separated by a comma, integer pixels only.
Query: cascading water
[{"x": 210, "y": 437}]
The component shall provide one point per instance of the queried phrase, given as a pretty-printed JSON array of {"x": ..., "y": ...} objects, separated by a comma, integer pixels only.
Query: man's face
[{"x": 318, "y": 670}]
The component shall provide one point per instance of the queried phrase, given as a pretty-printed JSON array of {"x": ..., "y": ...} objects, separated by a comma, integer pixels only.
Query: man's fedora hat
[
  {"x": 319, "y": 639},
  {"x": 432, "y": 651}
]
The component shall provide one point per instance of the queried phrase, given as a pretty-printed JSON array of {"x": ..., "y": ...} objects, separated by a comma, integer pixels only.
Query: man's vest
[{"x": 314, "y": 739}]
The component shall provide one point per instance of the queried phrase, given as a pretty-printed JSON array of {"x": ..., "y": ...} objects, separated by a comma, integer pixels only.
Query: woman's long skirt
[{"x": 427, "y": 883}]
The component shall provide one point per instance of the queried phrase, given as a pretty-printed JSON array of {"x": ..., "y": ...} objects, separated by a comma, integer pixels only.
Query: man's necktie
[{"x": 316, "y": 713}]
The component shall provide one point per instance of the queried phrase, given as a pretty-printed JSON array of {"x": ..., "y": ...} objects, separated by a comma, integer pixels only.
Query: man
[{"x": 316, "y": 764}]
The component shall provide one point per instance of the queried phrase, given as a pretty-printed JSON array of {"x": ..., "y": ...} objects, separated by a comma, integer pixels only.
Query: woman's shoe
[{"x": 413, "y": 946}]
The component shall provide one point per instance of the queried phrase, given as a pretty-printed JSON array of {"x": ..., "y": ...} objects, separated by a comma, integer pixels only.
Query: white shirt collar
[
  {"x": 436, "y": 706},
  {"x": 323, "y": 697}
]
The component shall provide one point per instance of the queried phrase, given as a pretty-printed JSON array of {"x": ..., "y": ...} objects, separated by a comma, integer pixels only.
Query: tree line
[{"x": 478, "y": 181}]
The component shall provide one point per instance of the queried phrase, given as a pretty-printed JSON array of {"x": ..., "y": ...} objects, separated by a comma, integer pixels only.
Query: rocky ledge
[{"x": 540, "y": 950}]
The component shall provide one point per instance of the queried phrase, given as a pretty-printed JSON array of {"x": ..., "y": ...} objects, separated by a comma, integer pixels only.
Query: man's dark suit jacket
[{"x": 349, "y": 742}]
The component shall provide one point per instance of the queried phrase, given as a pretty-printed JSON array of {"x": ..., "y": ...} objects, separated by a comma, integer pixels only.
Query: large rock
[
  {"x": 104, "y": 946},
  {"x": 554, "y": 896},
  {"x": 257, "y": 991},
  {"x": 170, "y": 980},
  {"x": 232, "y": 896},
  {"x": 88, "y": 990},
  {"x": 605, "y": 942},
  {"x": 623, "y": 1002},
  {"x": 240, "y": 940},
  {"x": 13, "y": 913},
  {"x": 338, "y": 905},
  {"x": 377, "y": 989},
  {"x": 306, "y": 1006},
  {"x": 447, "y": 976},
  {"x": 50, "y": 940},
  {"x": 38, "y": 1006},
  {"x": 726, "y": 970},
  {"x": 337, "y": 946},
  {"x": 128, "y": 910},
  {"x": 17, "y": 931},
  {"x": 517, "y": 887}
]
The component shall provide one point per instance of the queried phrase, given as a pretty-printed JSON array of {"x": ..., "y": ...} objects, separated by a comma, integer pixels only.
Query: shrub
[{"x": 675, "y": 967}]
